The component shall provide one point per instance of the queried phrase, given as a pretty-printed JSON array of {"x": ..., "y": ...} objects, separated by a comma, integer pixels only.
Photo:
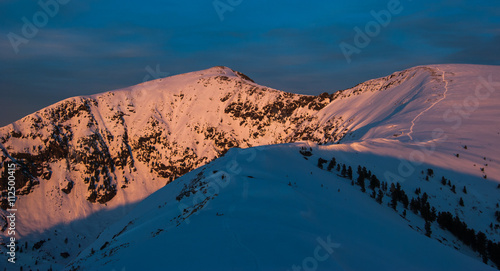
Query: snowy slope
[
  {"x": 272, "y": 211},
  {"x": 117, "y": 148},
  {"x": 446, "y": 109}
]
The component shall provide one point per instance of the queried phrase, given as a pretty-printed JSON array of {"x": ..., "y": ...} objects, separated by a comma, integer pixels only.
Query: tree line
[{"x": 420, "y": 205}]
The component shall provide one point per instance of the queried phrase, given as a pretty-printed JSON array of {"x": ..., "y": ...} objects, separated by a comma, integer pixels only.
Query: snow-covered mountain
[
  {"x": 86, "y": 161},
  {"x": 272, "y": 210}
]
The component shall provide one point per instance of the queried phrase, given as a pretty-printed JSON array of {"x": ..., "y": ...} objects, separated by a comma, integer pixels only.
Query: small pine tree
[
  {"x": 344, "y": 171},
  {"x": 453, "y": 188},
  {"x": 361, "y": 178},
  {"x": 349, "y": 173},
  {"x": 394, "y": 202},
  {"x": 443, "y": 181},
  {"x": 331, "y": 165},
  {"x": 393, "y": 188},
  {"x": 424, "y": 199},
  {"x": 461, "y": 202},
  {"x": 374, "y": 182},
  {"x": 433, "y": 214},
  {"x": 428, "y": 230},
  {"x": 465, "y": 190},
  {"x": 481, "y": 241},
  {"x": 405, "y": 200},
  {"x": 415, "y": 205},
  {"x": 380, "y": 196}
]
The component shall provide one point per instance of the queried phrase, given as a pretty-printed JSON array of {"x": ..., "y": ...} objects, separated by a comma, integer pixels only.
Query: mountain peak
[{"x": 223, "y": 70}]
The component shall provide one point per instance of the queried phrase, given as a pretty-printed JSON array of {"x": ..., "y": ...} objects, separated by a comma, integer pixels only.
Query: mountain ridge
[{"x": 111, "y": 150}]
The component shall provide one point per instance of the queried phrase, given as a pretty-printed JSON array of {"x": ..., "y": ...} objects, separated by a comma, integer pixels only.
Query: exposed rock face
[{"x": 101, "y": 138}]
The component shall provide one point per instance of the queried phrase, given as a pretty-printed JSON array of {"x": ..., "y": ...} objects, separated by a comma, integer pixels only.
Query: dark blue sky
[{"x": 92, "y": 46}]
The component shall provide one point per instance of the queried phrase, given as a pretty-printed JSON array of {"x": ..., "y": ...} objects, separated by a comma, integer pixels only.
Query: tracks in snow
[{"x": 427, "y": 109}]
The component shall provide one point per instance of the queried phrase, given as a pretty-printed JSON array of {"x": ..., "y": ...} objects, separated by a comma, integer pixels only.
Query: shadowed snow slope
[{"x": 267, "y": 208}]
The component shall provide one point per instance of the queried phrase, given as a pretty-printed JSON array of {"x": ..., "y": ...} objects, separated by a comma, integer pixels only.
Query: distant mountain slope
[{"x": 93, "y": 158}]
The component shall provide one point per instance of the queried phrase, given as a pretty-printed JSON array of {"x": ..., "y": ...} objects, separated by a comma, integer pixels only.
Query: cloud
[{"x": 485, "y": 52}]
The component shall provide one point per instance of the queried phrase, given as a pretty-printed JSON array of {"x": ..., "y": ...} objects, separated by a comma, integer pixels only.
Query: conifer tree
[
  {"x": 443, "y": 180},
  {"x": 394, "y": 202},
  {"x": 428, "y": 230},
  {"x": 321, "y": 162},
  {"x": 332, "y": 164},
  {"x": 380, "y": 196},
  {"x": 405, "y": 200},
  {"x": 374, "y": 182},
  {"x": 361, "y": 180},
  {"x": 349, "y": 173}
]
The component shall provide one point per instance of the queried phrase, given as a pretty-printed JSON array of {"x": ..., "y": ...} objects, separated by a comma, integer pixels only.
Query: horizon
[{"x": 53, "y": 50}]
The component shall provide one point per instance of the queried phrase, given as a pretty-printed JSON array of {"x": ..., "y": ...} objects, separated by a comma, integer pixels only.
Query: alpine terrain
[{"x": 211, "y": 171}]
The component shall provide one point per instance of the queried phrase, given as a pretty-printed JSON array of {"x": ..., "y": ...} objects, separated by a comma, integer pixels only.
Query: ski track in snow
[{"x": 427, "y": 109}]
